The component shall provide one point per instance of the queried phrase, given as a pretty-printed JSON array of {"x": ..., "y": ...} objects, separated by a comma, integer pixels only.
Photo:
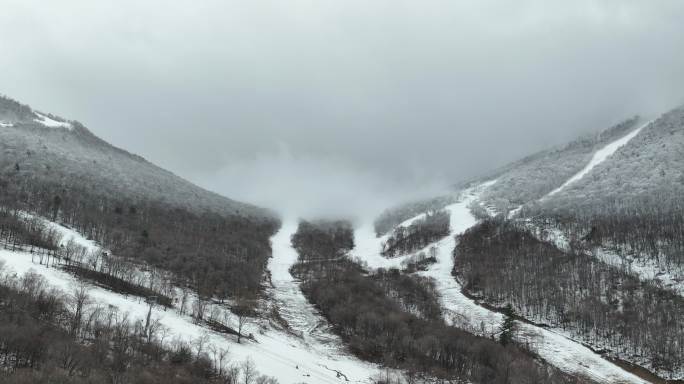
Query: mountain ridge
[{"x": 67, "y": 152}]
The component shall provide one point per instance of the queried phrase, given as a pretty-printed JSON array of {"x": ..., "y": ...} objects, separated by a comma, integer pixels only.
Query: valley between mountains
[{"x": 566, "y": 266}]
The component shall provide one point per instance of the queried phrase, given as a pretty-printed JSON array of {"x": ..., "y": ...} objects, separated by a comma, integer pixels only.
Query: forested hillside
[
  {"x": 141, "y": 213},
  {"x": 394, "y": 319},
  {"x": 633, "y": 202},
  {"x": 532, "y": 177},
  {"x": 66, "y": 153},
  {"x": 502, "y": 263},
  {"x": 48, "y": 336}
]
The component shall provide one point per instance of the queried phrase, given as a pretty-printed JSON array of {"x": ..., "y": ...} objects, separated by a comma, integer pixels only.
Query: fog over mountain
[{"x": 341, "y": 106}]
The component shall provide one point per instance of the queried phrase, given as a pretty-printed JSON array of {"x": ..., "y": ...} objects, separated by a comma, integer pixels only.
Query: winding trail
[{"x": 461, "y": 311}]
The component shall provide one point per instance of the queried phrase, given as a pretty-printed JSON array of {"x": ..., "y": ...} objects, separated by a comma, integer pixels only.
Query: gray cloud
[{"x": 372, "y": 101}]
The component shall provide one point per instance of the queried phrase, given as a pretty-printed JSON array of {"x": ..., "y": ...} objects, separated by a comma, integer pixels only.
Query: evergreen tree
[{"x": 508, "y": 326}]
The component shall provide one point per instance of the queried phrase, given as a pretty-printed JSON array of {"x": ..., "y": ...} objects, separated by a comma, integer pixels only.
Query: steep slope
[
  {"x": 537, "y": 175},
  {"x": 648, "y": 169},
  {"x": 599, "y": 157},
  {"x": 610, "y": 236},
  {"x": 45, "y": 147},
  {"x": 598, "y": 223},
  {"x": 59, "y": 170}
]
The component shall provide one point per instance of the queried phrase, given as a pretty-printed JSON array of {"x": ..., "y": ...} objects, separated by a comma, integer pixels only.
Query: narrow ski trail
[
  {"x": 304, "y": 320},
  {"x": 459, "y": 310},
  {"x": 600, "y": 156}
]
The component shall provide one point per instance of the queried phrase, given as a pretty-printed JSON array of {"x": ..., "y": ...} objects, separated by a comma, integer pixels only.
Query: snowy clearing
[
  {"x": 51, "y": 123},
  {"x": 463, "y": 312},
  {"x": 600, "y": 156}
]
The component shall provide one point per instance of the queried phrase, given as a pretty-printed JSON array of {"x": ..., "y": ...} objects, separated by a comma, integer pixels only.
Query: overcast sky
[{"x": 345, "y": 104}]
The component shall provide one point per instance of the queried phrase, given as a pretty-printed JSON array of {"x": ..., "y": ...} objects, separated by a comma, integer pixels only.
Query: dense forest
[
  {"x": 422, "y": 232},
  {"x": 394, "y": 319},
  {"x": 48, "y": 336},
  {"x": 218, "y": 256},
  {"x": 503, "y": 264}
]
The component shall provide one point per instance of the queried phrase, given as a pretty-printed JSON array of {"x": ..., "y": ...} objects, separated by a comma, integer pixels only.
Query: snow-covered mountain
[
  {"x": 593, "y": 227},
  {"x": 575, "y": 252},
  {"x": 41, "y": 146}
]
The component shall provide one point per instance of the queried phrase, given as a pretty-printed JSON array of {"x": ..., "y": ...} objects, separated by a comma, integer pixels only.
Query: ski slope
[
  {"x": 304, "y": 319},
  {"x": 461, "y": 311},
  {"x": 317, "y": 357},
  {"x": 599, "y": 157}
]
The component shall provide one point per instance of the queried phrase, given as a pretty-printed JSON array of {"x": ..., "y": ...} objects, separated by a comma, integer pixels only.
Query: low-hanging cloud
[
  {"x": 304, "y": 186},
  {"x": 372, "y": 98}
]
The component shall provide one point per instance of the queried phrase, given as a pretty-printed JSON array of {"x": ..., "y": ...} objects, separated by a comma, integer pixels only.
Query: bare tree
[
  {"x": 244, "y": 310},
  {"x": 78, "y": 299}
]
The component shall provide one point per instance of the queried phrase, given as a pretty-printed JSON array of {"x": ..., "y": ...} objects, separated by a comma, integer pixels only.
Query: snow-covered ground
[
  {"x": 313, "y": 354},
  {"x": 644, "y": 268},
  {"x": 6, "y": 124},
  {"x": 66, "y": 233},
  {"x": 558, "y": 350},
  {"x": 51, "y": 123},
  {"x": 600, "y": 156},
  {"x": 305, "y": 320},
  {"x": 317, "y": 357}
]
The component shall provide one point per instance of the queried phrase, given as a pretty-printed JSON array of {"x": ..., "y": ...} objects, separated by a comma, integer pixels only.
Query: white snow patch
[
  {"x": 66, "y": 232},
  {"x": 51, "y": 123},
  {"x": 6, "y": 124},
  {"x": 600, "y": 156}
]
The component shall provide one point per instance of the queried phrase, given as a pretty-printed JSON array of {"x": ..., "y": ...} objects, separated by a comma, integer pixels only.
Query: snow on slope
[
  {"x": 461, "y": 311},
  {"x": 600, "y": 156},
  {"x": 644, "y": 268},
  {"x": 51, "y": 123},
  {"x": 66, "y": 232},
  {"x": 304, "y": 319},
  {"x": 275, "y": 353}
]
